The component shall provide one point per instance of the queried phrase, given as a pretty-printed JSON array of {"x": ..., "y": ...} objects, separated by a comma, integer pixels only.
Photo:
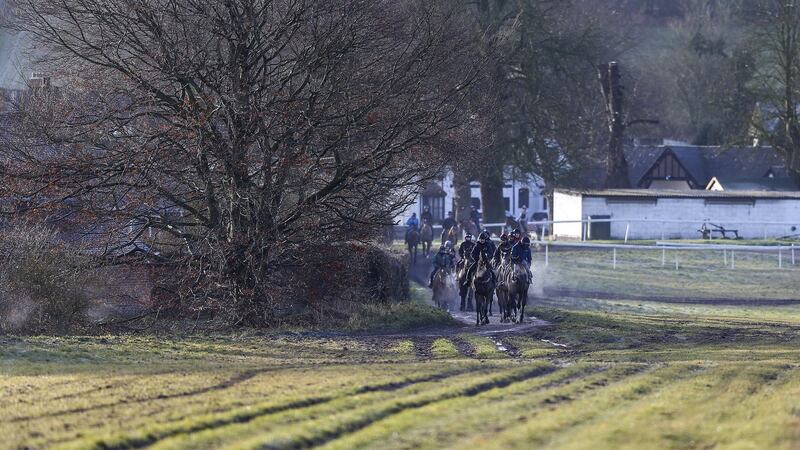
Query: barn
[{"x": 675, "y": 214}]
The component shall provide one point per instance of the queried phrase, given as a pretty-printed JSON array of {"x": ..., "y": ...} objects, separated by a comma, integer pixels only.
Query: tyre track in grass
[
  {"x": 246, "y": 414},
  {"x": 460, "y": 409},
  {"x": 566, "y": 414},
  {"x": 231, "y": 382},
  {"x": 364, "y": 417}
]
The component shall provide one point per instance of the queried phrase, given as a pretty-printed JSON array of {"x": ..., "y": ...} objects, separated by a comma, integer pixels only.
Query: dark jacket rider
[
  {"x": 481, "y": 251},
  {"x": 442, "y": 260},
  {"x": 465, "y": 249},
  {"x": 503, "y": 250}
]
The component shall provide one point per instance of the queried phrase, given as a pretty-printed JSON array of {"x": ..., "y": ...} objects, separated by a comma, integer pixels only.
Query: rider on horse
[
  {"x": 426, "y": 214},
  {"x": 442, "y": 260},
  {"x": 489, "y": 242},
  {"x": 522, "y": 253},
  {"x": 481, "y": 251},
  {"x": 465, "y": 249},
  {"x": 412, "y": 221},
  {"x": 503, "y": 250}
]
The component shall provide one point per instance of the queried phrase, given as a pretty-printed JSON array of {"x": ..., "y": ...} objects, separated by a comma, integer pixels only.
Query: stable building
[
  {"x": 687, "y": 167},
  {"x": 675, "y": 214}
]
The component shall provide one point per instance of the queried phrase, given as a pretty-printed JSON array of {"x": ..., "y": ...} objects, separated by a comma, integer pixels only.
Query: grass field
[
  {"x": 701, "y": 275},
  {"x": 661, "y": 377},
  {"x": 624, "y": 365}
]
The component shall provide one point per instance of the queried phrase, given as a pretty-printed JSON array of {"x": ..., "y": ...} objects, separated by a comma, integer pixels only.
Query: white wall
[
  {"x": 694, "y": 211},
  {"x": 567, "y": 207}
]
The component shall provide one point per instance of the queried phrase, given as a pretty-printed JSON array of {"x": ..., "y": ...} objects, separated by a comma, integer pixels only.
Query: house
[
  {"x": 519, "y": 190},
  {"x": 686, "y": 167},
  {"x": 674, "y": 214}
]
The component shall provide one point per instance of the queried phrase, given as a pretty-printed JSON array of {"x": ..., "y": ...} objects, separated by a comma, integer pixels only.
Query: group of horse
[
  {"x": 510, "y": 285},
  {"x": 424, "y": 235}
]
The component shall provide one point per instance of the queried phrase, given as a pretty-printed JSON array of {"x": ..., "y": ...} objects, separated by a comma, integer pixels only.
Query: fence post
[
  {"x": 676, "y": 261},
  {"x": 615, "y": 257},
  {"x": 792, "y": 254},
  {"x": 733, "y": 259},
  {"x": 725, "y": 256},
  {"x": 663, "y": 257},
  {"x": 546, "y": 254},
  {"x": 780, "y": 257},
  {"x": 627, "y": 229}
]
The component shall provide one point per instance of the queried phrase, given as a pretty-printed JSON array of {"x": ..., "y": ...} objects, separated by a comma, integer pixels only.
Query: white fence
[
  {"x": 784, "y": 254},
  {"x": 632, "y": 229}
]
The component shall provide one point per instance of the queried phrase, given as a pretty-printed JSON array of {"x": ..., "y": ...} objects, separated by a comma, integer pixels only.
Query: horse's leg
[
  {"x": 477, "y": 317},
  {"x": 491, "y": 302},
  {"x": 472, "y": 298},
  {"x": 462, "y": 292}
]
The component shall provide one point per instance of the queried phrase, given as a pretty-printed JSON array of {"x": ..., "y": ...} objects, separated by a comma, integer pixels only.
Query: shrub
[{"x": 43, "y": 285}]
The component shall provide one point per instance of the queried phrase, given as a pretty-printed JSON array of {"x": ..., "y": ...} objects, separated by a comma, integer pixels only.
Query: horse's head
[{"x": 519, "y": 273}]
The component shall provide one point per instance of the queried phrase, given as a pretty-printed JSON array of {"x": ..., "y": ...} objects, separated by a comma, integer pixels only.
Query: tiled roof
[{"x": 696, "y": 193}]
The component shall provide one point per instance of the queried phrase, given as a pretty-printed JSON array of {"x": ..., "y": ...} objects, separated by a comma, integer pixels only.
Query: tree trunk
[
  {"x": 463, "y": 195},
  {"x": 617, "y": 166},
  {"x": 492, "y": 203}
]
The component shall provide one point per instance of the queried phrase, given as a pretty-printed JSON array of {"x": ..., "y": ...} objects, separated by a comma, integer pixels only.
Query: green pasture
[
  {"x": 607, "y": 375},
  {"x": 701, "y": 275}
]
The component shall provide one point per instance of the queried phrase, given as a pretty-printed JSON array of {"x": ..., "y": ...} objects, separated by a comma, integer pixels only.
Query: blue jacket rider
[
  {"x": 522, "y": 253},
  {"x": 412, "y": 222}
]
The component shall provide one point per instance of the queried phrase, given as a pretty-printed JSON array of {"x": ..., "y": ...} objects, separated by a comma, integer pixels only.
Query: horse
[
  {"x": 443, "y": 288},
  {"x": 502, "y": 291},
  {"x": 426, "y": 236},
  {"x": 518, "y": 285},
  {"x": 483, "y": 284},
  {"x": 412, "y": 240},
  {"x": 465, "y": 290}
]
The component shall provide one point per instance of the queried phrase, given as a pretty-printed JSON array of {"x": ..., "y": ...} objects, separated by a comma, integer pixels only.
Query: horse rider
[
  {"x": 523, "y": 219},
  {"x": 475, "y": 217},
  {"x": 481, "y": 251},
  {"x": 521, "y": 253},
  {"x": 450, "y": 250},
  {"x": 412, "y": 221},
  {"x": 465, "y": 249},
  {"x": 490, "y": 242},
  {"x": 442, "y": 260},
  {"x": 503, "y": 250},
  {"x": 448, "y": 223},
  {"x": 426, "y": 214},
  {"x": 515, "y": 237}
]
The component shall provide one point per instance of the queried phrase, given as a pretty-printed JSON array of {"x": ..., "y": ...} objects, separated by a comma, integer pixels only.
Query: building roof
[
  {"x": 744, "y": 166},
  {"x": 696, "y": 193}
]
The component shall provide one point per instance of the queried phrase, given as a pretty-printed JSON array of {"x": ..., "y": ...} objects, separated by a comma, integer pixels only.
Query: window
[
  {"x": 523, "y": 197},
  {"x": 544, "y": 203},
  {"x": 507, "y": 202},
  {"x": 476, "y": 202}
]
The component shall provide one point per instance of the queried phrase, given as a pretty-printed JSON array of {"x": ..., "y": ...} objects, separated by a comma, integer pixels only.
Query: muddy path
[{"x": 419, "y": 273}]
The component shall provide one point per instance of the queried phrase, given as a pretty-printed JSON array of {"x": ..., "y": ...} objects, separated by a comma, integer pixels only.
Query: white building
[
  {"x": 518, "y": 191},
  {"x": 662, "y": 214}
]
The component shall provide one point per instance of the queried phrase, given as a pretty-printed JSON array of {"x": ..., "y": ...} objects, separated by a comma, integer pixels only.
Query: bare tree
[
  {"x": 776, "y": 37},
  {"x": 231, "y": 137}
]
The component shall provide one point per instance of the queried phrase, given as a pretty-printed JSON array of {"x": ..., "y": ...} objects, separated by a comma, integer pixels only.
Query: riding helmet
[{"x": 468, "y": 237}]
